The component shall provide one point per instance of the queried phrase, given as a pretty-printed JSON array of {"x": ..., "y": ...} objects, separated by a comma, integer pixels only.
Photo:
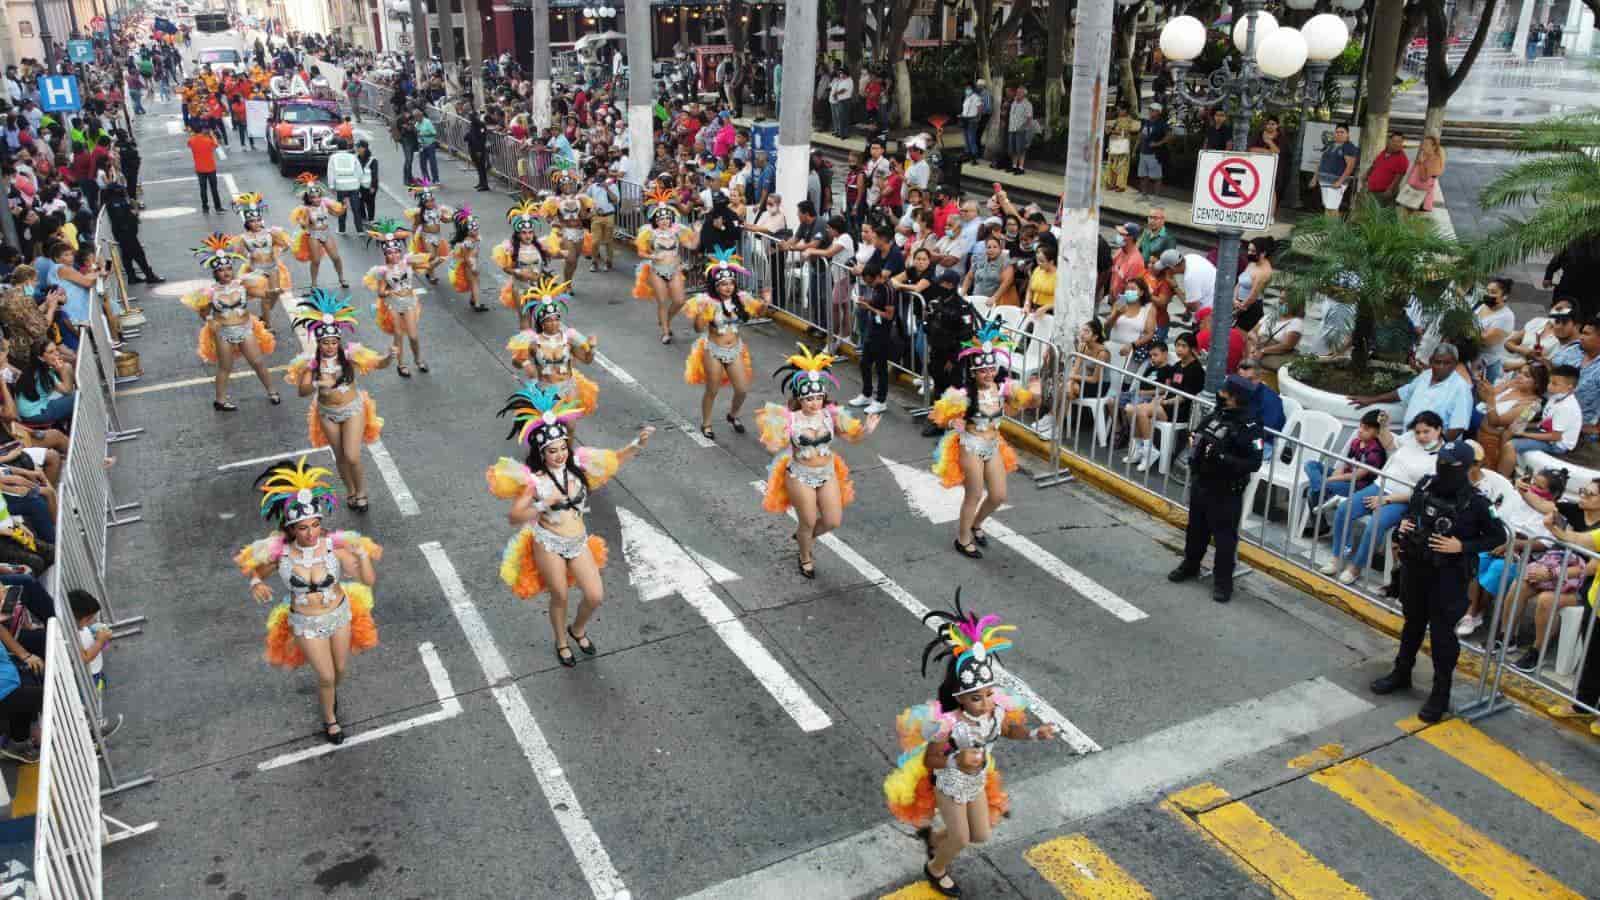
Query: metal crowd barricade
[
  {"x": 1567, "y": 661},
  {"x": 86, "y": 456},
  {"x": 70, "y": 827}
]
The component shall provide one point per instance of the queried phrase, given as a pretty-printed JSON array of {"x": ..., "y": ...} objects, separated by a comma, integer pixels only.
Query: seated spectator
[
  {"x": 1492, "y": 578},
  {"x": 1496, "y": 322},
  {"x": 1555, "y": 577},
  {"x": 1132, "y": 325},
  {"x": 1085, "y": 379},
  {"x": 1438, "y": 390},
  {"x": 1411, "y": 457},
  {"x": 29, "y": 496},
  {"x": 1236, "y": 342},
  {"x": 1266, "y": 406},
  {"x": 1184, "y": 375},
  {"x": 1509, "y": 408},
  {"x": 20, "y": 705},
  {"x": 1556, "y": 431},
  {"x": 1274, "y": 339},
  {"x": 1346, "y": 478},
  {"x": 1537, "y": 338},
  {"x": 44, "y": 391},
  {"x": 992, "y": 275}
]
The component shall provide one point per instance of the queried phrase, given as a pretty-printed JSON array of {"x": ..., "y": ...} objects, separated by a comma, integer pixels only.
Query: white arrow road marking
[
  {"x": 659, "y": 566},
  {"x": 1072, "y": 734},
  {"x": 933, "y": 501},
  {"x": 604, "y": 880},
  {"x": 449, "y": 708}
]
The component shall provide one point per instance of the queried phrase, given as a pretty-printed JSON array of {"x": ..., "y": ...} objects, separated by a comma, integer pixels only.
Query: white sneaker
[
  {"x": 1349, "y": 576},
  {"x": 1135, "y": 455},
  {"x": 860, "y": 400},
  {"x": 1331, "y": 567},
  {"x": 874, "y": 408},
  {"x": 1468, "y": 624},
  {"x": 1150, "y": 458}
]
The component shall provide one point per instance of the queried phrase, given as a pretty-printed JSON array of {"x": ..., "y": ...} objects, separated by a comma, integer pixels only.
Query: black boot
[
  {"x": 1397, "y": 680},
  {"x": 1438, "y": 702},
  {"x": 1182, "y": 573}
]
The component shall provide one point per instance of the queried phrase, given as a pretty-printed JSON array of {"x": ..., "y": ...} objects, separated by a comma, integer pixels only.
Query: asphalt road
[{"x": 733, "y": 733}]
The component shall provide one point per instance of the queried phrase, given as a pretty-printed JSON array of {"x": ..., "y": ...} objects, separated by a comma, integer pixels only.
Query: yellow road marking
[
  {"x": 26, "y": 800},
  {"x": 1186, "y": 803},
  {"x": 1316, "y": 759},
  {"x": 1565, "y": 801},
  {"x": 1287, "y": 867},
  {"x": 187, "y": 382},
  {"x": 1077, "y": 867},
  {"x": 1448, "y": 841},
  {"x": 919, "y": 891}
]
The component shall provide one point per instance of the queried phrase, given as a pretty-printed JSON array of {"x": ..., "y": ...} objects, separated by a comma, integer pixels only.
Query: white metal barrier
[{"x": 70, "y": 828}]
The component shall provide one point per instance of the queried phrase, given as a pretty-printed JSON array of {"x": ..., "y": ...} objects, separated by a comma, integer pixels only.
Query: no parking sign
[{"x": 1234, "y": 190}]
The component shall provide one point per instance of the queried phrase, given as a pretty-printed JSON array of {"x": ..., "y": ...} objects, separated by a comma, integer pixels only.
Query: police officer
[
  {"x": 1446, "y": 525},
  {"x": 950, "y": 320},
  {"x": 1224, "y": 451}
]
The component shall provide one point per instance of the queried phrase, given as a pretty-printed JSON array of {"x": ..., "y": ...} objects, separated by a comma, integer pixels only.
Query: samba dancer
[
  {"x": 228, "y": 327},
  {"x": 661, "y": 244},
  {"x": 342, "y": 417}
]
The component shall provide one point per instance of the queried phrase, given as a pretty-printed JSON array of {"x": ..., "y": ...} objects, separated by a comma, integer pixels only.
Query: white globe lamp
[
  {"x": 1300, "y": 5},
  {"x": 1266, "y": 24},
  {"x": 1326, "y": 37},
  {"x": 1282, "y": 54},
  {"x": 1183, "y": 38}
]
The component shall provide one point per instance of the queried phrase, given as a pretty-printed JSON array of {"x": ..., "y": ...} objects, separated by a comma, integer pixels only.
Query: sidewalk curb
[{"x": 1533, "y": 697}]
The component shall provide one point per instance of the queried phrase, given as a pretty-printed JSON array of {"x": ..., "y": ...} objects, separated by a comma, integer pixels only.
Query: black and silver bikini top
[
  {"x": 987, "y": 411},
  {"x": 967, "y": 734},
  {"x": 258, "y": 244},
  {"x": 553, "y": 354},
  {"x": 553, "y": 495},
  {"x": 725, "y": 320},
  {"x": 307, "y": 559},
  {"x": 528, "y": 253},
  {"x": 228, "y": 299},
  {"x": 398, "y": 278},
  {"x": 806, "y": 447}
]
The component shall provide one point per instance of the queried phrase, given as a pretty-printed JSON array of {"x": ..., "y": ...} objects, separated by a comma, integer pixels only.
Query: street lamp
[{"x": 1269, "y": 55}]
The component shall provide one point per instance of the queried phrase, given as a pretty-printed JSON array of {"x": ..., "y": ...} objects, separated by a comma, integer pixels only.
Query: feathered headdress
[
  {"x": 539, "y": 416},
  {"x": 984, "y": 349},
  {"x": 545, "y": 299},
  {"x": 806, "y": 374},
  {"x": 309, "y": 184},
  {"x": 249, "y": 206},
  {"x": 325, "y": 315},
  {"x": 422, "y": 189},
  {"x": 563, "y": 170},
  {"x": 466, "y": 219},
  {"x": 724, "y": 264},
  {"x": 658, "y": 202},
  {"x": 969, "y": 641},
  {"x": 294, "y": 492},
  {"x": 214, "y": 253},
  {"x": 523, "y": 216},
  {"x": 390, "y": 234}
]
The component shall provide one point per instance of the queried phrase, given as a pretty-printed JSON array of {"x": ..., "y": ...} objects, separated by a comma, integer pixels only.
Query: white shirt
[
  {"x": 840, "y": 89},
  {"x": 1503, "y": 319},
  {"x": 917, "y": 175},
  {"x": 971, "y": 106},
  {"x": 86, "y": 641},
  {"x": 1509, "y": 505},
  {"x": 1408, "y": 463},
  {"x": 848, "y": 245},
  {"x": 1562, "y": 415},
  {"x": 1199, "y": 281}
]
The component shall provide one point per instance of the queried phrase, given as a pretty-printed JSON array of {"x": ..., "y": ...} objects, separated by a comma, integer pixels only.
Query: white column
[
  {"x": 541, "y": 63},
  {"x": 1519, "y": 44},
  {"x": 794, "y": 119},
  {"x": 640, "y": 26},
  {"x": 1076, "y": 262}
]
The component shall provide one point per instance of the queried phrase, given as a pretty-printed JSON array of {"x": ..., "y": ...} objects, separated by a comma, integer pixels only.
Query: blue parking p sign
[
  {"x": 58, "y": 93},
  {"x": 80, "y": 51}
]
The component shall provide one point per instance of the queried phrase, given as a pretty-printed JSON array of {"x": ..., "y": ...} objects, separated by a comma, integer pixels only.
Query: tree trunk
[
  {"x": 1385, "y": 38},
  {"x": 1054, "y": 58},
  {"x": 738, "y": 32},
  {"x": 448, "y": 55},
  {"x": 899, "y": 19},
  {"x": 855, "y": 28},
  {"x": 419, "y": 41},
  {"x": 1080, "y": 198},
  {"x": 990, "y": 37},
  {"x": 541, "y": 64},
  {"x": 1127, "y": 41},
  {"x": 1442, "y": 83},
  {"x": 474, "y": 37}
]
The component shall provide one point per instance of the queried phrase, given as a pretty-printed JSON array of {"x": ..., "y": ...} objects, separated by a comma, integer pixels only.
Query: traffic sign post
[
  {"x": 80, "y": 51},
  {"x": 59, "y": 93},
  {"x": 1234, "y": 190}
]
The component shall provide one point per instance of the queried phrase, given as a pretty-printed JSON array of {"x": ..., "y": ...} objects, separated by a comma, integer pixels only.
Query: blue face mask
[{"x": 1130, "y": 296}]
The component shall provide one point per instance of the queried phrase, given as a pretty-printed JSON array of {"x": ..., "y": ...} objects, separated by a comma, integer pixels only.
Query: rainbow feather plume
[
  {"x": 288, "y": 482},
  {"x": 547, "y": 297},
  {"x": 535, "y": 406},
  {"x": 803, "y": 364},
  {"x": 214, "y": 251},
  {"x": 323, "y": 308}
]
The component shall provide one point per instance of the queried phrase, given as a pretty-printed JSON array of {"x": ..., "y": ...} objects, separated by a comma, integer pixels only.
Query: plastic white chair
[
  {"x": 1316, "y": 430},
  {"x": 1032, "y": 359},
  {"x": 981, "y": 304},
  {"x": 1291, "y": 409},
  {"x": 1111, "y": 379}
]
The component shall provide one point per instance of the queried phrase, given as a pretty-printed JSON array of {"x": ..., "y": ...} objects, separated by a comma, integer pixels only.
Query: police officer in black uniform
[
  {"x": 1446, "y": 525},
  {"x": 950, "y": 320},
  {"x": 1223, "y": 453}
]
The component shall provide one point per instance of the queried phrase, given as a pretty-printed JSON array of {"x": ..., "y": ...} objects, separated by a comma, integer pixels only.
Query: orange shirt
[
  {"x": 204, "y": 148},
  {"x": 345, "y": 130}
]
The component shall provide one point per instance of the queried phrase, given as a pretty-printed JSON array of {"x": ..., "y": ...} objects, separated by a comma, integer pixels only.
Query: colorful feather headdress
[
  {"x": 310, "y": 184},
  {"x": 523, "y": 216},
  {"x": 214, "y": 251},
  {"x": 466, "y": 219},
  {"x": 422, "y": 189},
  {"x": 390, "y": 234},
  {"x": 249, "y": 206},
  {"x": 294, "y": 492},
  {"x": 325, "y": 315},
  {"x": 540, "y": 416},
  {"x": 724, "y": 264},
  {"x": 969, "y": 641},
  {"x": 659, "y": 202},
  {"x": 563, "y": 170},
  {"x": 545, "y": 299},
  {"x": 806, "y": 373},
  {"x": 984, "y": 349}
]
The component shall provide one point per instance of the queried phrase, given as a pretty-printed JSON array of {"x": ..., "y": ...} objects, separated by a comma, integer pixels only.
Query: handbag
[
  {"x": 1119, "y": 146},
  {"x": 1410, "y": 196}
]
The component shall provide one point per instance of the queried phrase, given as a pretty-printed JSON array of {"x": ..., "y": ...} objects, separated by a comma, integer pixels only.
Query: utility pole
[
  {"x": 541, "y": 64},
  {"x": 794, "y": 118},
  {"x": 447, "y": 45},
  {"x": 1076, "y": 263},
  {"x": 641, "y": 90},
  {"x": 472, "y": 12}
]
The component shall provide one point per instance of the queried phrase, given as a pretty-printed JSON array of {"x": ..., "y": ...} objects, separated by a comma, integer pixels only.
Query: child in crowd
[
  {"x": 1346, "y": 478},
  {"x": 92, "y": 640}
]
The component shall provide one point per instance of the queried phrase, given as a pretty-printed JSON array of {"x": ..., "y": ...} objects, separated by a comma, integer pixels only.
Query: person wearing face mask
[
  {"x": 1132, "y": 326},
  {"x": 1496, "y": 322},
  {"x": 1446, "y": 524},
  {"x": 1223, "y": 453}
]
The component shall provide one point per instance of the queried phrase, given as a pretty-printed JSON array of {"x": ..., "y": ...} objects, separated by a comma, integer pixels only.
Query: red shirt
[
  {"x": 892, "y": 189},
  {"x": 942, "y": 214},
  {"x": 204, "y": 148},
  {"x": 1390, "y": 165},
  {"x": 1235, "y": 346},
  {"x": 872, "y": 93}
]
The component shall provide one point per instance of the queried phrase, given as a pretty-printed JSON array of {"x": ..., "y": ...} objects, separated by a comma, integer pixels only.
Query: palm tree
[
  {"x": 1561, "y": 185},
  {"x": 1379, "y": 261}
]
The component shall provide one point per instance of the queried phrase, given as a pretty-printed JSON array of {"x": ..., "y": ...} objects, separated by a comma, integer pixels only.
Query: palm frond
[
  {"x": 1552, "y": 225},
  {"x": 1577, "y": 131},
  {"x": 1529, "y": 181}
]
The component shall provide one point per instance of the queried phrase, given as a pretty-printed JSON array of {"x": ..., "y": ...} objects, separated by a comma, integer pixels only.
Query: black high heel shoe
[
  {"x": 584, "y": 644},
  {"x": 333, "y": 737},
  {"x": 970, "y": 551}
]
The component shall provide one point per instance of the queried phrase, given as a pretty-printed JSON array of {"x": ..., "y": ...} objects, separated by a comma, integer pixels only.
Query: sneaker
[
  {"x": 108, "y": 727},
  {"x": 1331, "y": 567},
  {"x": 875, "y": 408},
  {"x": 1527, "y": 662},
  {"x": 21, "y": 751},
  {"x": 860, "y": 400},
  {"x": 1150, "y": 458},
  {"x": 1349, "y": 576},
  {"x": 1468, "y": 624},
  {"x": 1134, "y": 456}
]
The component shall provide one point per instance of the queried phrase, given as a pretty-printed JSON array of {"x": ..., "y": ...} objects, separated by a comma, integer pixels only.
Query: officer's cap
[
  {"x": 1456, "y": 453},
  {"x": 1237, "y": 386}
]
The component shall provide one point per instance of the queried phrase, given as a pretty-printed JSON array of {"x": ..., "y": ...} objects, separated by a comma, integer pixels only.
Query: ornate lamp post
[{"x": 1269, "y": 56}]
